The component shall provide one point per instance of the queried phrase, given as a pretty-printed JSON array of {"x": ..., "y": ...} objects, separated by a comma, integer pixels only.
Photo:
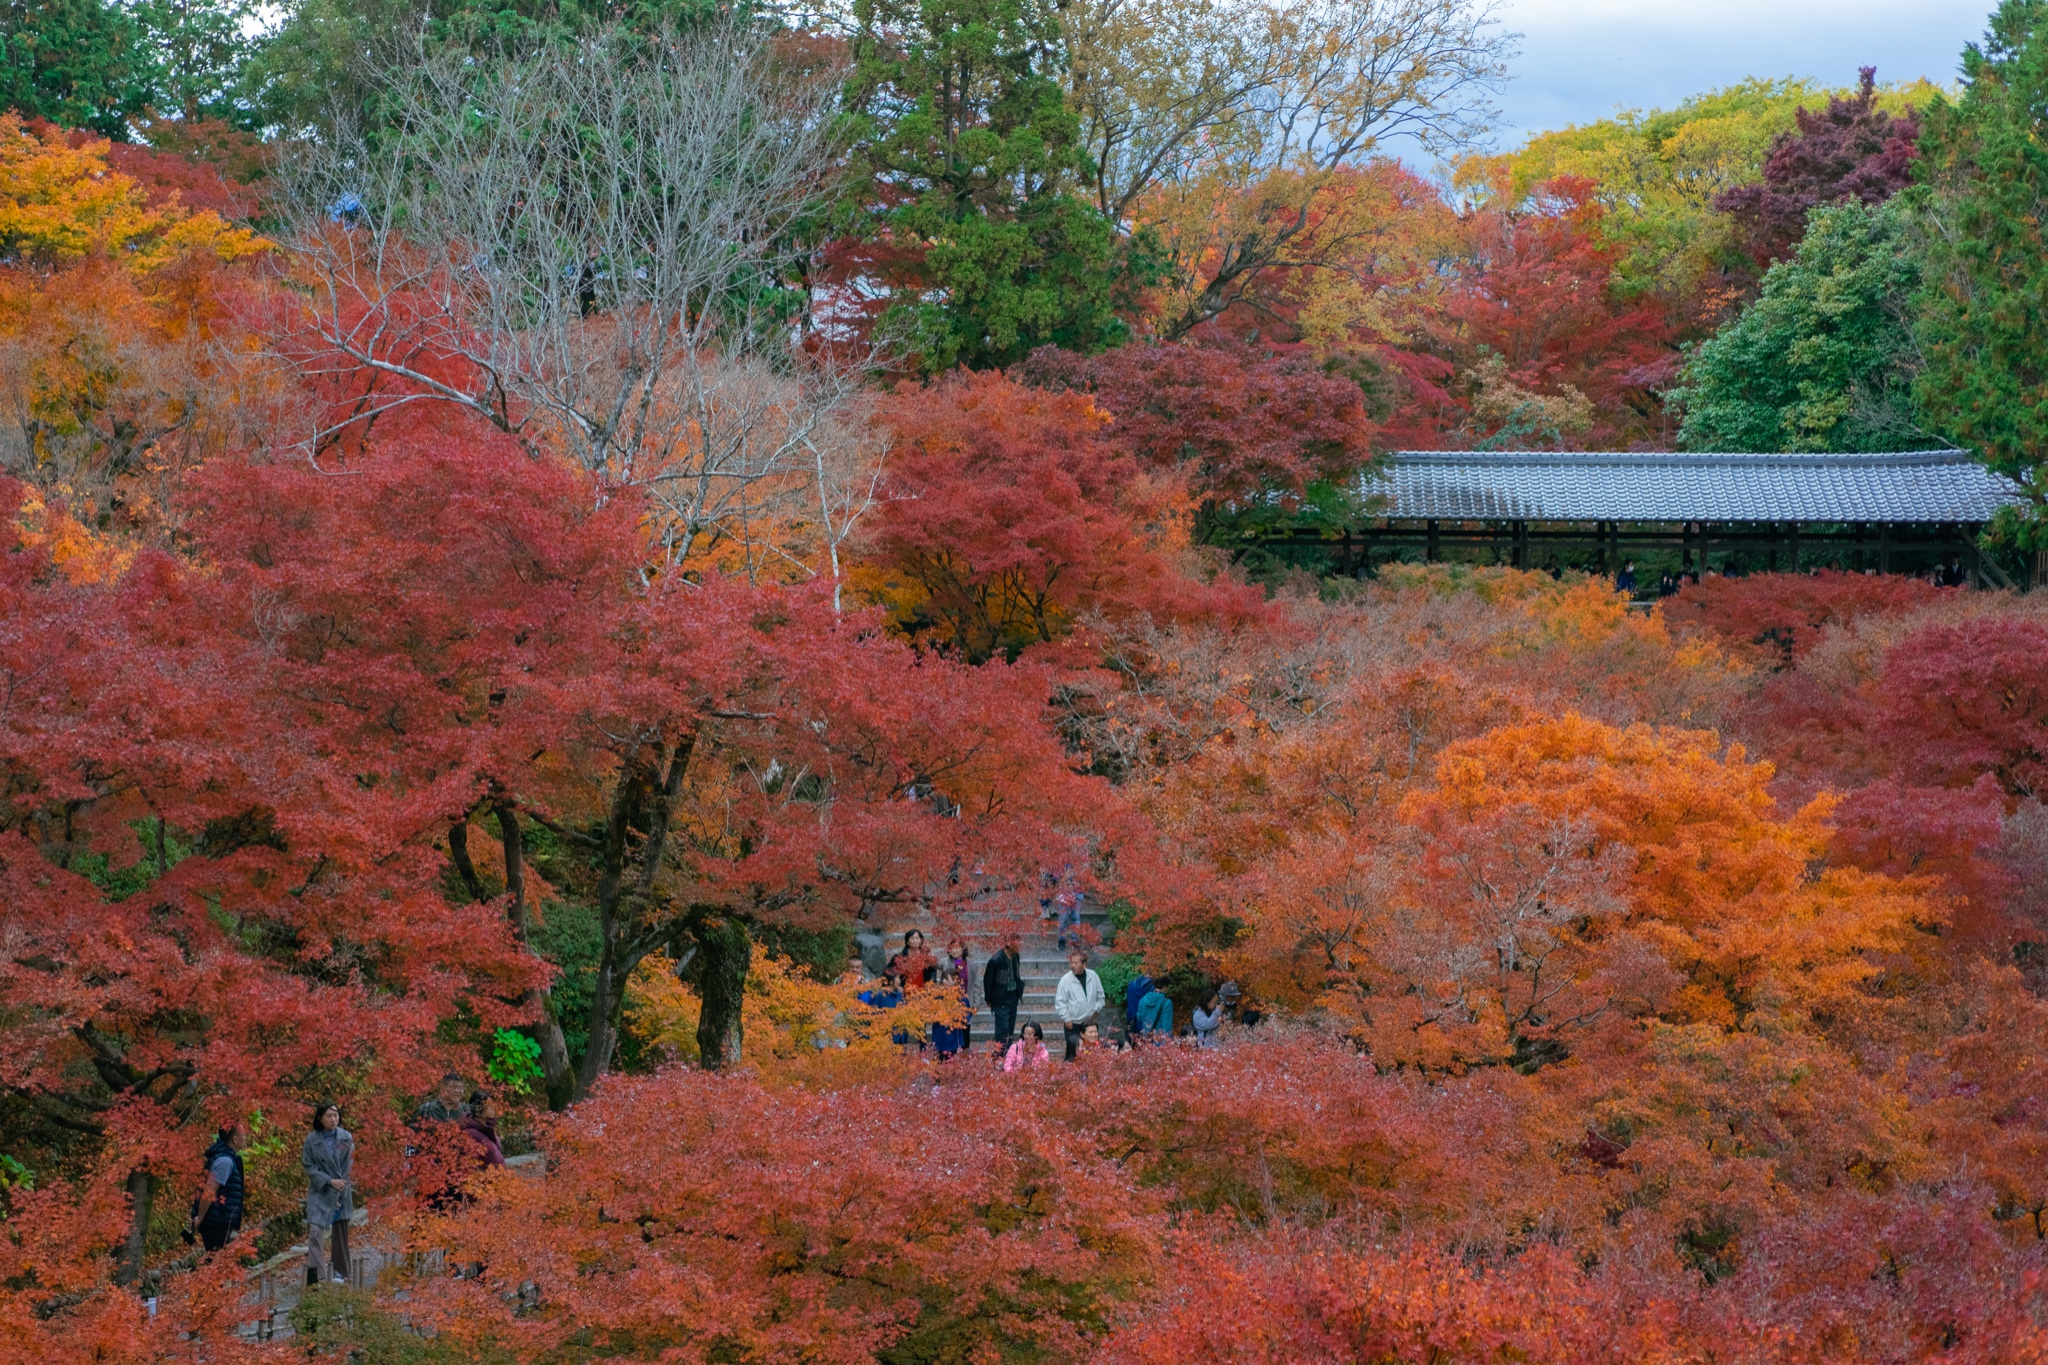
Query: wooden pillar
[
  {"x": 1793, "y": 567},
  {"x": 1613, "y": 547},
  {"x": 1862, "y": 532},
  {"x": 1344, "y": 553},
  {"x": 1884, "y": 547},
  {"x": 1521, "y": 544},
  {"x": 1429, "y": 552},
  {"x": 1771, "y": 550}
]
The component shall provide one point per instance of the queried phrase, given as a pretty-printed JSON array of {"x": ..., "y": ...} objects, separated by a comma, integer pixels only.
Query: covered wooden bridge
[{"x": 1536, "y": 509}]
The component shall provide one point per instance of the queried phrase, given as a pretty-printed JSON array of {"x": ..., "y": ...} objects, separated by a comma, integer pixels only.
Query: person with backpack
[
  {"x": 1155, "y": 1016},
  {"x": 217, "y": 1212},
  {"x": 1002, "y": 985},
  {"x": 1139, "y": 988}
]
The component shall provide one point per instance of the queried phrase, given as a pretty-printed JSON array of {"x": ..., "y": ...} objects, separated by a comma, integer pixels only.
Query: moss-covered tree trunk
[{"x": 726, "y": 951}]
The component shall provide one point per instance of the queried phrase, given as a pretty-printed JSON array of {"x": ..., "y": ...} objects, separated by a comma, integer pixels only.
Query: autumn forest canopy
[{"x": 538, "y": 542}]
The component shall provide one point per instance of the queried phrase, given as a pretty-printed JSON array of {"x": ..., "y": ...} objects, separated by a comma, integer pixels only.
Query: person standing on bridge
[
  {"x": 329, "y": 1158},
  {"x": 1002, "y": 985},
  {"x": 1079, "y": 1000}
]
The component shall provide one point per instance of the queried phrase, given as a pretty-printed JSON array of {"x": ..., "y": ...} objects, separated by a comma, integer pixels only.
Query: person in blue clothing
[
  {"x": 217, "y": 1212},
  {"x": 887, "y": 996},
  {"x": 1155, "y": 1016},
  {"x": 1060, "y": 900},
  {"x": 1625, "y": 581},
  {"x": 1140, "y": 987},
  {"x": 948, "y": 1039}
]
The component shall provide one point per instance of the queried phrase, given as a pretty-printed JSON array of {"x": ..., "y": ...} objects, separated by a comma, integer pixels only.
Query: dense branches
[
  {"x": 1987, "y": 176},
  {"x": 586, "y": 247},
  {"x": 568, "y": 666}
]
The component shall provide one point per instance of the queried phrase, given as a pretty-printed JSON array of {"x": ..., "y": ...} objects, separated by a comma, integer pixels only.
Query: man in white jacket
[{"x": 1078, "y": 1000}]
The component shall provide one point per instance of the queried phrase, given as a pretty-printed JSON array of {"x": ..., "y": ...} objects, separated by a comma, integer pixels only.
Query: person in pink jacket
[{"x": 1028, "y": 1050}]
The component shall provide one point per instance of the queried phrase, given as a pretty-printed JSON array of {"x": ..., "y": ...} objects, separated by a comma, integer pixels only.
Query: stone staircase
[{"x": 1039, "y": 952}]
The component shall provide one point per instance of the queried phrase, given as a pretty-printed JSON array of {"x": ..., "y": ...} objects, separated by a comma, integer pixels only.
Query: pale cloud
[{"x": 1582, "y": 59}]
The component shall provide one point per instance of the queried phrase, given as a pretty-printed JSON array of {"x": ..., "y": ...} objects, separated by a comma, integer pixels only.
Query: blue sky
[{"x": 1583, "y": 58}]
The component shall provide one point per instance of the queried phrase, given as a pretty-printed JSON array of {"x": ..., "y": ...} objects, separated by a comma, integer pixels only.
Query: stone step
[{"x": 1039, "y": 955}]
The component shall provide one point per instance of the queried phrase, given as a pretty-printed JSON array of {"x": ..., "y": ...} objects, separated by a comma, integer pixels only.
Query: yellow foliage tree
[
  {"x": 798, "y": 1029},
  {"x": 112, "y": 305}
]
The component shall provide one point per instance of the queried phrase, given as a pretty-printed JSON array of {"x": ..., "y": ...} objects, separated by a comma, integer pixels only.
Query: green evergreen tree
[
  {"x": 328, "y": 55},
  {"x": 970, "y": 158},
  {"x": 79, "y": 63},
  {"x": 195, "y": 51},
  {"x": 1821, "y": 360},
  {"x": 1983, "y": 302}
]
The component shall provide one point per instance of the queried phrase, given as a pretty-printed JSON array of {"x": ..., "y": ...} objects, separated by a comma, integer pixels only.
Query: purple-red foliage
[
  {"x": 1904, "y": 830},
  {"x": 1782, "y": 615},
  {"x": 1239, "y": 418},
  {"x": 1851, "y": 150},
  {"x": 1962, "y": 701}
]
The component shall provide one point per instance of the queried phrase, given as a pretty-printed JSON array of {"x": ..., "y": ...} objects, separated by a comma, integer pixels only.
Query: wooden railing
[{"x": 277, "y": 1285}]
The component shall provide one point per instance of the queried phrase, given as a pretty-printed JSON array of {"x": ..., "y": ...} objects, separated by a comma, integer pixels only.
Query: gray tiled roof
[{"x": 1925, "y": 485}]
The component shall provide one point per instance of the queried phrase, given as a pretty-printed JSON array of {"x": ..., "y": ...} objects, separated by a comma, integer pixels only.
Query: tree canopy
[
  {"x": 541, "y": 549},
  {"x": 1987, "y": 176}
]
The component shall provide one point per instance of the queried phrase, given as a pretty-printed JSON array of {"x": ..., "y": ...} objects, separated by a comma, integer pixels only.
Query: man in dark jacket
[
  {"x": 446, "y": 1104},
  {"x": 217, "y": 1212},
  {"x": 1002, "y": 985}
]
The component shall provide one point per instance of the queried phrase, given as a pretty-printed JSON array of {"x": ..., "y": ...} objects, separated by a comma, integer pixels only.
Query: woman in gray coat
[{"x": 329, "y": 1159}]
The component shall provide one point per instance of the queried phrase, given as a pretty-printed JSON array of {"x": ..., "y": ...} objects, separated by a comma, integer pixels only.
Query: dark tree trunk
[
  {"x": 458, "y": 853},
  {"x": 607, "y": 1002},
  {"x": 142, "y": 1199},
  {"x": 628, "y": 913},
  {"x": 727, "y": 950},
  {"x": 554, "y": 1049}
]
